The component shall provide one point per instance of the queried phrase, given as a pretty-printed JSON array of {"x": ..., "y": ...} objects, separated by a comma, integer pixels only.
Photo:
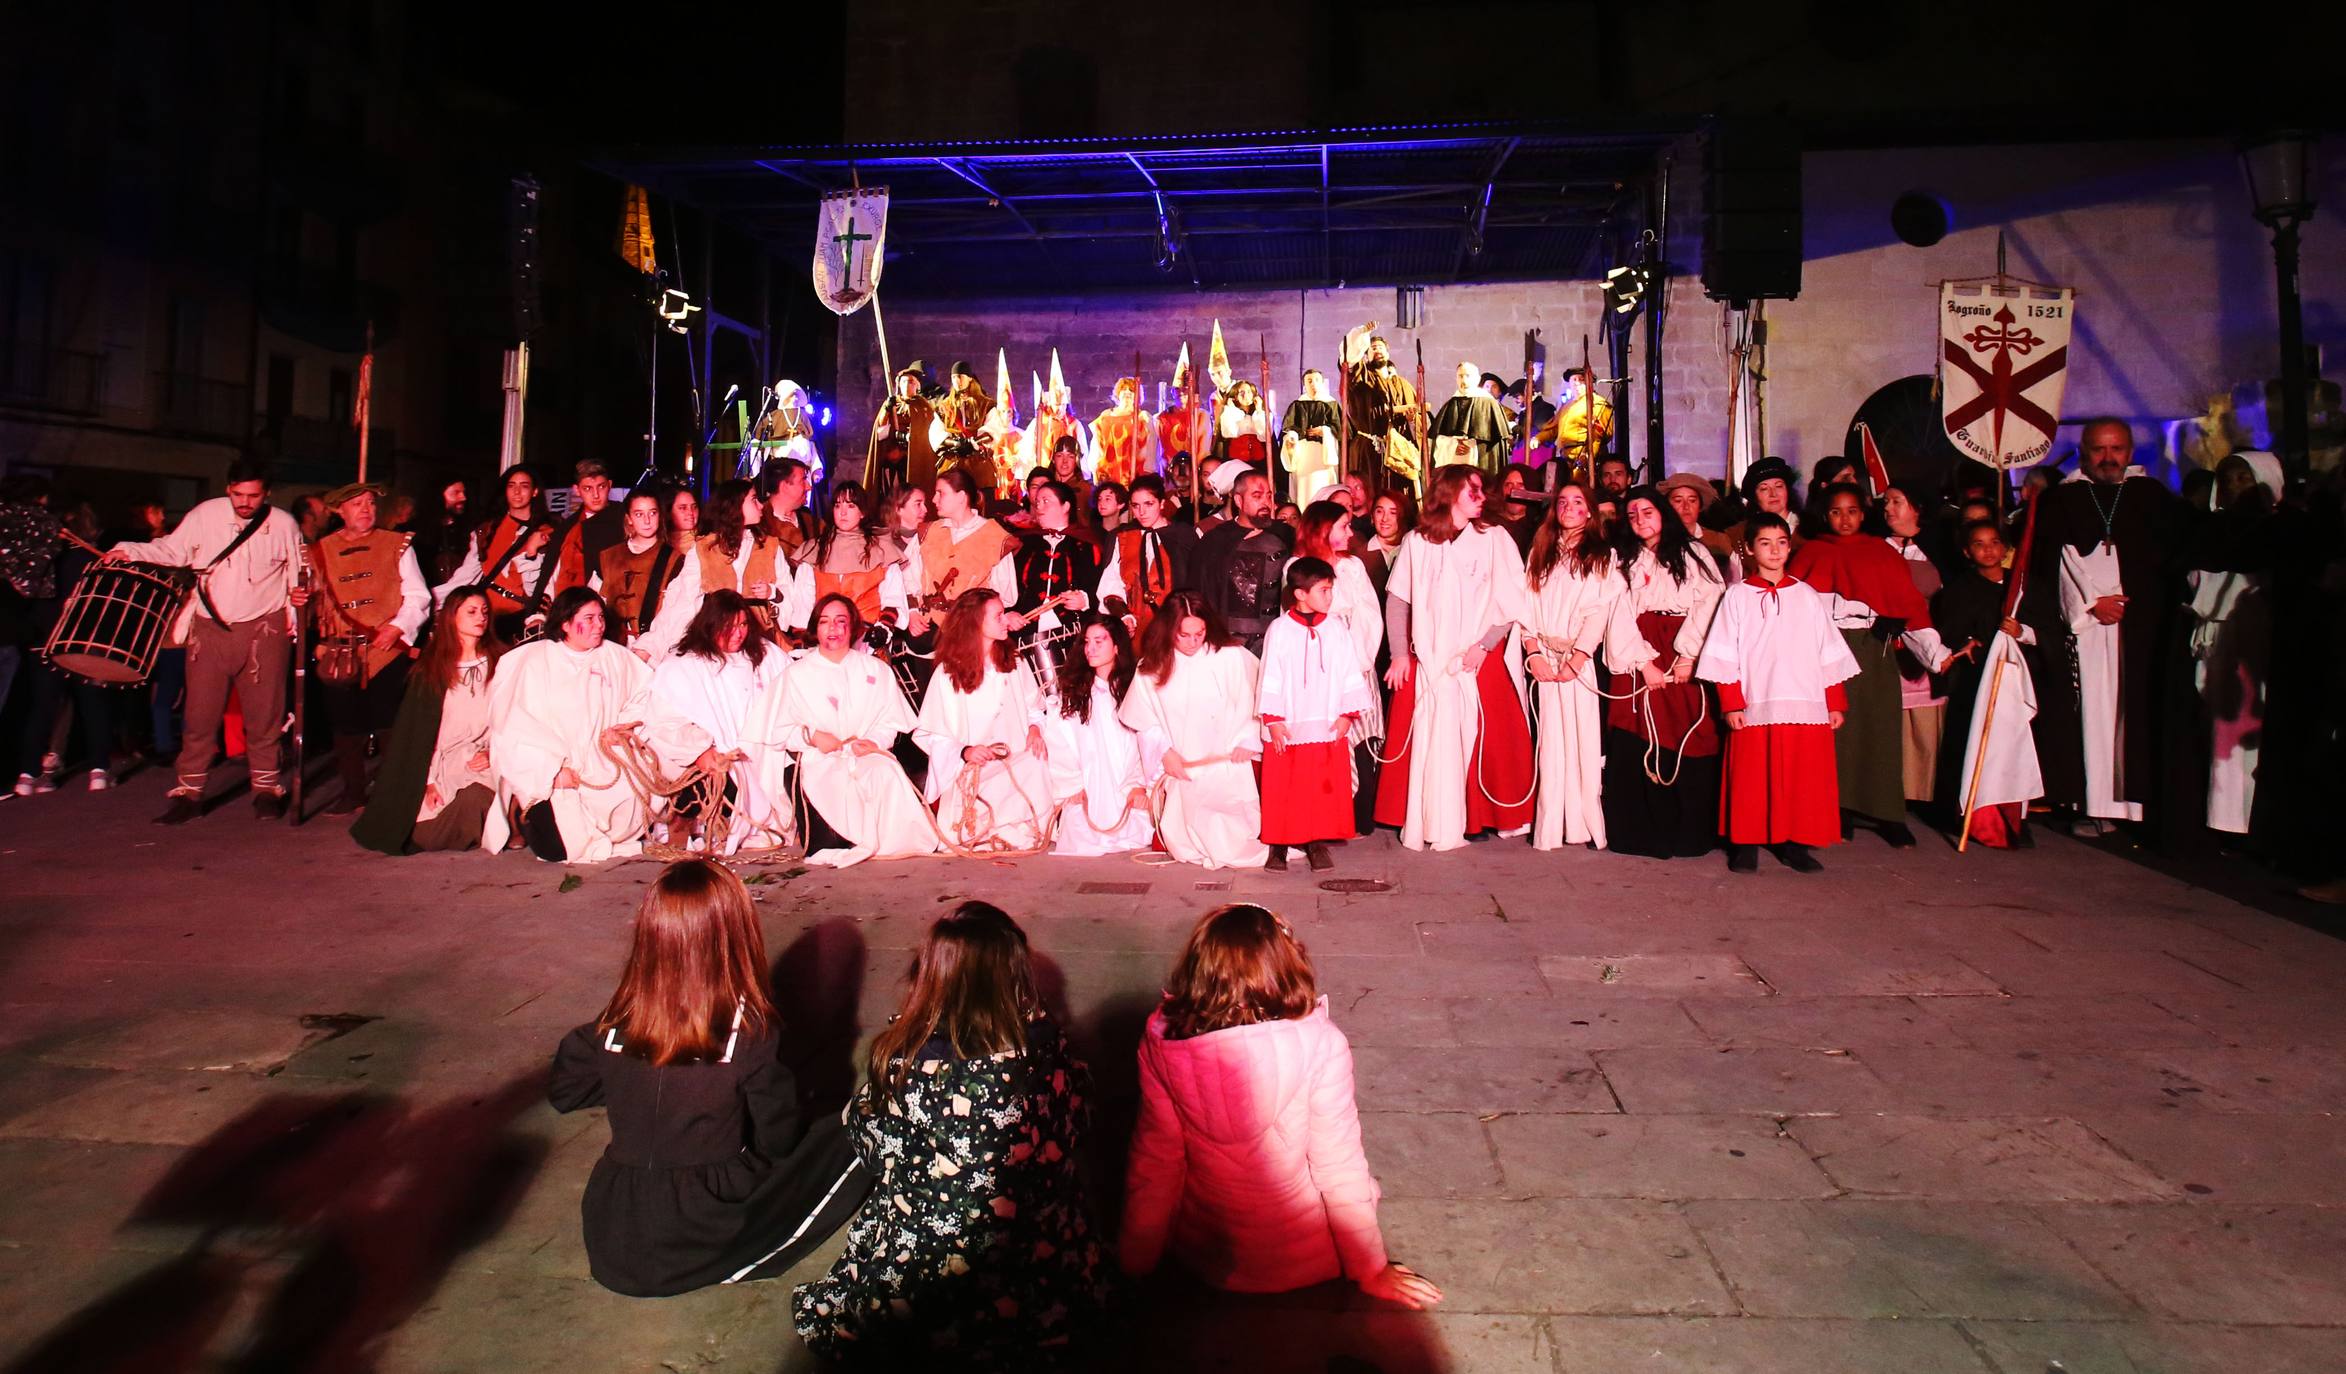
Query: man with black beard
[{"x": 1240, "y": 562}]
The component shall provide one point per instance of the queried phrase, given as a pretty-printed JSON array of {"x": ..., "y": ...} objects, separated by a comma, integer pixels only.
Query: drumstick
[{"x": 64, "y": 533}]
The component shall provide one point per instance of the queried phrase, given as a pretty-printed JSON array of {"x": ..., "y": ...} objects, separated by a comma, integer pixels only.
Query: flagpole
[{"x": 366, "y": 378}]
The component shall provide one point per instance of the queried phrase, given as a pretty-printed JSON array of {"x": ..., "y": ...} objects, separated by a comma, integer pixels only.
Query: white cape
[
  {"x": 865, "y": 797},
  {"x": 548, "y": 707},
  {"x": 1206, "y": 708}
]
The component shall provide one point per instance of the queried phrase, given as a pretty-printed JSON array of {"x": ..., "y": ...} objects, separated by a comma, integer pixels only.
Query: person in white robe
[
  {"x": 1450, "y": 604},
  {"x": 2231, "y": 649},
  {"x": 1096, "y": 775},
  {"x": 1574, "y": 584},
  {"x": 1193, "y": 703},
  {"x": 983, "y": 715},
  {"x": 551, "y": 705},
  {"x": 839, "y": 711},
  {"x": 694, "y": 713}
]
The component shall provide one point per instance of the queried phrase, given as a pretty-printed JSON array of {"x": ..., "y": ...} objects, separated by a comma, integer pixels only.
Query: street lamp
[{"x": 2280, "y": 186}]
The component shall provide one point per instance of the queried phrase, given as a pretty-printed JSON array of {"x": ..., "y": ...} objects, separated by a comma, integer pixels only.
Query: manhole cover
[
  {"x": 1113, "y": 889},
  {"x": 1356, "y": 885}
]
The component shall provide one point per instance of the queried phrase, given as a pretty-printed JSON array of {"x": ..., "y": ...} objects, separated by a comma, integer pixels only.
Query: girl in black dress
[{"x": 713, "y": 1174}]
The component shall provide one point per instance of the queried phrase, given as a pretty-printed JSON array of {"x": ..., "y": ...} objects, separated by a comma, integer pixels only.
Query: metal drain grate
[
  {"x": 1356, "y": 885},
  {"x": 1112, "y": 889}
]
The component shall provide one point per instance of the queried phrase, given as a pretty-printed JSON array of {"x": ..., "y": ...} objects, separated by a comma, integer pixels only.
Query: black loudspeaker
[{"x": 1751, "y": 211}]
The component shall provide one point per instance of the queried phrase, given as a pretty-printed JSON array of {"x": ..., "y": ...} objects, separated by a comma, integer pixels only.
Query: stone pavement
[{"x": 268, "y": 1101}]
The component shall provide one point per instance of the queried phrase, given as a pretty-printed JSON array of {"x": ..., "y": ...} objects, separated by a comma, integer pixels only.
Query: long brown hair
[
  {"x": 1242, "y": 965},
  {"x": 698, "y": 956},
  {"x": 1156, "y": 642},
  {"x": 721, "y": 517},
  {"x": 719, "y": 609},
  {"x": 444, "y": 649},
  {"x": 1435, "y": 522},
  {"x": 962, "y": 649},
  {"x": 1585, "y": 556},
  {"x": 972, "y": 982},
  {"x": 1076, "y": 674}
]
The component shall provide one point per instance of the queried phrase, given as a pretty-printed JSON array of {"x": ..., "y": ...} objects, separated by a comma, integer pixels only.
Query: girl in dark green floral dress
[{"x": 975, "y": 1249}]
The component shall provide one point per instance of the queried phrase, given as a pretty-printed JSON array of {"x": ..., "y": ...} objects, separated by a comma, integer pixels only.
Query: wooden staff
[
  {"x": 1197, "y": 461},
  {"x": 1988, "y": 723},
  {"x": 1588, "y": 413},
  {"x": 1418, "y": 424}
]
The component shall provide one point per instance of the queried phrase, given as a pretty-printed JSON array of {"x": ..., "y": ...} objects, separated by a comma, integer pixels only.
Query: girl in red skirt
[
  {"x": 1779, "y": 665},
  {"x": 1314, "y": 690}
]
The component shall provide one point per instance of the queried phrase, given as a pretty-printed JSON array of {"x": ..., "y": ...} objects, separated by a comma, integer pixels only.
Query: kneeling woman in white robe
[
  {"x": 551, "y": 706},
  {"x": 1193, "y": 702},
  {"x": 1096, "y": 773},
  {"x": 983, "y": 718},
  {"x": 840, "y": 711},
  {"x": 694, "y": 714}
]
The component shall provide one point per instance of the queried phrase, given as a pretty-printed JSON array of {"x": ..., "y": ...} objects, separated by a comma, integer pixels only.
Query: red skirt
[
  {"x": 1997, "y": 826},
  {"x": 1500, "y": 764},
  {"x": 1781, "y": 786},
  {"x": 1307, "y": 793},
  {"x": 1679, "y": 707}
]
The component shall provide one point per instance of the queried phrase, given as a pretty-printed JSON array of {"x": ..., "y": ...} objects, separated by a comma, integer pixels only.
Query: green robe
[{"x": 389, "y": 820}]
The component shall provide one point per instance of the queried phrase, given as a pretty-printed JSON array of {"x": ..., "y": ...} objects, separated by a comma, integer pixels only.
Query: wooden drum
[{"x": 115, "y": 620}]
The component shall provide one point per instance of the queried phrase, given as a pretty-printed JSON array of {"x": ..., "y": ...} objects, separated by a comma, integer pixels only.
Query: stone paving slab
[
  {"x": 2014, "y": 1024},
  {"x": 1439, "y": 1080},
  {"x": 143, "y": 1109},
  {"x": 1569, "y": 1020},
  {"x": 1872, "y": 1259},
  {"x": 1786, "y": 1082},
  {"x": 2276, "y": 1265},
  {"x": 1822, "y": 1023},
  {"x": 1653, "y": 1157},
  {"x": 1556, "y": 1255},
  {"x": 2133, "y": 1348},
  {"x": 1744, "y": 1345},
  {"x": 1601, "y": 974},
  {"x": 1430, "y": 1154},
  {"x": 2276, "y": 1159},
  {"x": 1997, "y": 1160}
]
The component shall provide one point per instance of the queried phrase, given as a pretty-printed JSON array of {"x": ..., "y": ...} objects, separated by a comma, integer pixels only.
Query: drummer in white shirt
[{"x": 240, "y": 634}]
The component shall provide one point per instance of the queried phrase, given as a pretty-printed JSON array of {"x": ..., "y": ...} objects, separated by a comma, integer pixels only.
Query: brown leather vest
[
  {"x": 359, "y": 578},
  {"x": 950, "y": 568},
  {"x": 626, "y": 577}
]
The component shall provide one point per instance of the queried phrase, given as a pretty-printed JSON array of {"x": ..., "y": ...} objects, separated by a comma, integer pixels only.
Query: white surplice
[
  {"x": 695, "y": 704},
  {"x": 1099, "y": 760},
  {"x": 548, "y": 707},
  {"x": 1456, "y": 593},
  {"x": 1014, "y": 794},
  {"x": 1357, "y": 606},
  {"x": 1205, "y": 709},
  {"x": 2101, "y": 658},
  {"x": 865, "y": 797},
  {"x": 1571, "y": 611}
]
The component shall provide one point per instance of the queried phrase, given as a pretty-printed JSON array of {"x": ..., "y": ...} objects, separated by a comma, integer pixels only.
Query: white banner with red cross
[
  {"x": 2003, "y": 365},
  {"x": 850, "y": 234}
]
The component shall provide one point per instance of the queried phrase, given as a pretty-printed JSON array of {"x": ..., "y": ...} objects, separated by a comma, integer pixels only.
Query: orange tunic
[
  {"x": 1124, "y": 440},
  {"x": 1184, "y": 431}
]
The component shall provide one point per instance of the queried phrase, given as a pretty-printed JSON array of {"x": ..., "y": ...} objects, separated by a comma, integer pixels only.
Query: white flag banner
[
  {"x": 2010, "y": 773},
  {"x": 2003, "y": 366},
  {"x": 850, "y": 232}
]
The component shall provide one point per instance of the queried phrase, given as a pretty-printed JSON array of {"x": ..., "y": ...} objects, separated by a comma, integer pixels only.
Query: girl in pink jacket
[{"x": 1247, "y": 1155}]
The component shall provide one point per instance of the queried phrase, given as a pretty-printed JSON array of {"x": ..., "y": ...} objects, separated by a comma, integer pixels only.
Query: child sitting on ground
[
  {"x": 712, "y": 1175},
  {"x": 1246, "y": 1157},
  {"x": 1313, "y": 691}
]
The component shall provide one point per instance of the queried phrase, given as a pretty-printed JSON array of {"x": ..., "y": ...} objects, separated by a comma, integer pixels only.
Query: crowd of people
[
  {"x": 1093, "y": 666},
  {"x": 959, "y": 1166}
]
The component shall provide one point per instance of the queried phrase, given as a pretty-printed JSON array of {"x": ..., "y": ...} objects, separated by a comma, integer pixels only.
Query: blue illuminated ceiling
[{"x": 1360, "y": 206}]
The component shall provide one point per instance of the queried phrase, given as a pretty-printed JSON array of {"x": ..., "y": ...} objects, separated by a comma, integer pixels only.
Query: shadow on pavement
[
  {"x": 345, "y": 1210},
  {"x": 816, "y": 988}
]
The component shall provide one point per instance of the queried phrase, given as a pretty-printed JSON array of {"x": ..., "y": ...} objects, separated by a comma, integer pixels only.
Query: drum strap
[
  {"x": 656, "y": 582},
  {"x": 203, "y": 592}
]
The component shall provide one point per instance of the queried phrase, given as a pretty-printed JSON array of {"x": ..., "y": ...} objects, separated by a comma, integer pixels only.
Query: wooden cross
[{"x": 847, "y": 242}]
